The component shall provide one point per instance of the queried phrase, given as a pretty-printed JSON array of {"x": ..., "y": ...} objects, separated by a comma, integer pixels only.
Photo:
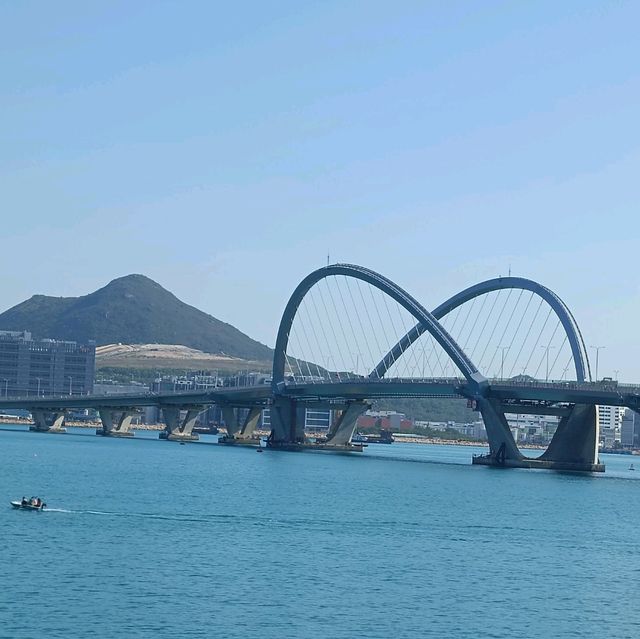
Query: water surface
[{"x": 147, "y": 538}]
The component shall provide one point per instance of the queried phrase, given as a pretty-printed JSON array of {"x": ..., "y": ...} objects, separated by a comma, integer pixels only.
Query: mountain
[{"x": 130, "y": 310}]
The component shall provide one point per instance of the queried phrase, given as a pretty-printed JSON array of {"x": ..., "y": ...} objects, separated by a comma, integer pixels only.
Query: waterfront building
[
  {"x": 533, "y": 429},
  {"x": 387, "y": 419},
  {"x": 630, "y": 429},
  {"x": 610, "y": 424},
  {"x": 44, "y": 367}
]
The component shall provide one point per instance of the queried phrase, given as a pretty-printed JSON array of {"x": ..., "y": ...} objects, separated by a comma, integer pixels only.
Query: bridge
[{"x": 349, "y": 335}]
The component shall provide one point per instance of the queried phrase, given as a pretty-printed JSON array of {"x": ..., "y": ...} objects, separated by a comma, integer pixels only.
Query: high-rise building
[
  {"x": 610, "y": 423},
  {"x": 44, "y": 367},
  {"x": 630, "y": 429}
]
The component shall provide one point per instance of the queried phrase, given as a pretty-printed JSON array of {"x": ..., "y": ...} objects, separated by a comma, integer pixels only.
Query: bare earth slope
[{"x": 171, "y": 356}]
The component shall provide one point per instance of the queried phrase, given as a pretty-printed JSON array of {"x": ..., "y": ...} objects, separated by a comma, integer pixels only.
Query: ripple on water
[{"x": 145, "y": 539}]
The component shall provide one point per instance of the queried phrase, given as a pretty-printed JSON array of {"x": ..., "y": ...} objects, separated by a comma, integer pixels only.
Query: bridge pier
[
  {"x": 237, "y": 434},
  {"x": 116, "y": 422},
  {"x": 502, "y": 446},
  {"x": 231, "y": 422},
  {"x": 341, "y": 432},
  {"x": 575, "y": 442},
  {"x": 47, "y": 421},
  {"x": 251, "y": 422},
  {"x": 287, "y": 422},
  {"x": 574, "y": 446},
  {"x": 179, "y": 427}
]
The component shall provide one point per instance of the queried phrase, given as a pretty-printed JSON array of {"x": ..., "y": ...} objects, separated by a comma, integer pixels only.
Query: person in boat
[{"x": 24, "y": 501}]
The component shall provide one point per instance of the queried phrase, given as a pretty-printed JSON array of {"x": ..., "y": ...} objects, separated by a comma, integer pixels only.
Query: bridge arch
[
  {"x": 426, "y": 321},
  {"x": 572, "y": 331}
]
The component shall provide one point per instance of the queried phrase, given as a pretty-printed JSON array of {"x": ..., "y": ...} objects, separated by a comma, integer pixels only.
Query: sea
[{"x": 149, "y": 538}]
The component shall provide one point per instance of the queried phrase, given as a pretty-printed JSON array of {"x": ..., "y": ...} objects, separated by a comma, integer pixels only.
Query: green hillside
[{"x": 132, "y": 310}]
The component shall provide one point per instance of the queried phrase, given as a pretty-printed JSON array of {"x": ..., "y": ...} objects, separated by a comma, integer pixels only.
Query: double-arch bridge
[{"x": 349, "y": 335}]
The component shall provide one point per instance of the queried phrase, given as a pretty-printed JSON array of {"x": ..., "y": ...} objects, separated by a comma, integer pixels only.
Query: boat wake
[{"x": 133, "y": 515}]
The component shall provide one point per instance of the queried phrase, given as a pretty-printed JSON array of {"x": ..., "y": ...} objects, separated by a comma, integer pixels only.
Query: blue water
[{"x": 151, "y": 539}]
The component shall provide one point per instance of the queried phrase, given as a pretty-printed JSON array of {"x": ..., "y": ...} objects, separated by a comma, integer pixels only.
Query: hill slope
[{"x": 133, "y": 310}]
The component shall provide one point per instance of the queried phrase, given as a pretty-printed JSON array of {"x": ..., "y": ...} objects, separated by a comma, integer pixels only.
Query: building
[
  {"x": 384, "y": 419},
  {"x": 532, "y": 429},
  {"x": 630, "y": 429},
  {"x": 44, "y": 367},
  {"x": 610, "y": 424}
]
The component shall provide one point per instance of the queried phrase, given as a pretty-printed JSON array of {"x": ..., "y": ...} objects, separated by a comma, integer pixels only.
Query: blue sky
[{"x": 224, "y": 148}]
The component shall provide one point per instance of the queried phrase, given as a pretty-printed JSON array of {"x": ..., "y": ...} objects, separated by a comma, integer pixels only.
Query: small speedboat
[{"x": 35, "y": 503}]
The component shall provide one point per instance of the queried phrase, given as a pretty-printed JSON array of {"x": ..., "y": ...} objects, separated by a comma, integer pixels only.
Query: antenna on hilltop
[
  {"x": 327, "y": 258},
  {"x": 509, "y": 270}
]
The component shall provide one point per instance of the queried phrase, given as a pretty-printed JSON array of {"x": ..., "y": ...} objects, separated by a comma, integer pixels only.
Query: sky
[{"x": 227, "y": 149}]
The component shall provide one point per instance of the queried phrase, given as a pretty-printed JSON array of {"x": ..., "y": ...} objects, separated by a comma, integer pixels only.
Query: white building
[
  {"x": 610, "y": 424},
  {"x": 532, "y": 428}
]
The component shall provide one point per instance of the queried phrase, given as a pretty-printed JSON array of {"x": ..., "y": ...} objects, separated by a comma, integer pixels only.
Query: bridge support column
[
  {"x": 231, "y": 422},
  {"x": 342, "y": 431},
  {"x": 287, "y": 422},
  {"x": 116, "y": 422},
  {"x": 574, "y": 446},
  {"x": 503, "y": 450},
  {"x": 178, "y": 427},
  {"x": 237, "y": 434},
  {"x": 47, "y": 421},
  {"x": 575, "y": 443},
  {"x": 251, "y": 423}
]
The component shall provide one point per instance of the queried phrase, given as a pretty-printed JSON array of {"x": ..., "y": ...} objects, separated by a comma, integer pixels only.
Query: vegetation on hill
[
  {"x": 130, "y": 310},
  {"x": 430, "y": 409}
]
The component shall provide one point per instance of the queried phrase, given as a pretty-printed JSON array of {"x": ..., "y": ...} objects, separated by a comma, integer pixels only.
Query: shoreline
[{"x": 400, "y": 438}]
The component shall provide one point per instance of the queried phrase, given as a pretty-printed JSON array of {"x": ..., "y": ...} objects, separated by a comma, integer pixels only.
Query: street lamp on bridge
[
  {"x": 597, "y": 349},
  {"x": 502, "y": 350},
  {"x": 547, "y": 349}
]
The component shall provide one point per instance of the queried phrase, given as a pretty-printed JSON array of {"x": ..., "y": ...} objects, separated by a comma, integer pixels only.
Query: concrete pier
[
  {"x": 48, "y": 421},
  {"x": 179, "y": 423},
  {"x": 116, "y": 422},
  {"x": 542, "y": 464}
]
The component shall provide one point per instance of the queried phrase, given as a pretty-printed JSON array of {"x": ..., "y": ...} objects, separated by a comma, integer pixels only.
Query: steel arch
[
  {"x": 563, "y": 313},
  {"x": 425, "y": 319}
]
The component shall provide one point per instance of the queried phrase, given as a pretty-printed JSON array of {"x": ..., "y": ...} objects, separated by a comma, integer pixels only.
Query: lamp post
[
  {"x": 547, "y": 349},
  {"x": 38, "y": 386},
  {"x": 357, "y": 356},
  {"x": 502, "y": 350},
  {"x": 424, "y": 358},
  {"x": 6, "y": 387},
  {"x": 70, "y": 385},
  {"x": 597, "y": 349}
]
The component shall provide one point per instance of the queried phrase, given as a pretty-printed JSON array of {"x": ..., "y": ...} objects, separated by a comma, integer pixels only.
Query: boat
[
  {"x": 631, "y": 467},
  {"x": 35, "y": 503},
  {"x": 385, "y": 437}
]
